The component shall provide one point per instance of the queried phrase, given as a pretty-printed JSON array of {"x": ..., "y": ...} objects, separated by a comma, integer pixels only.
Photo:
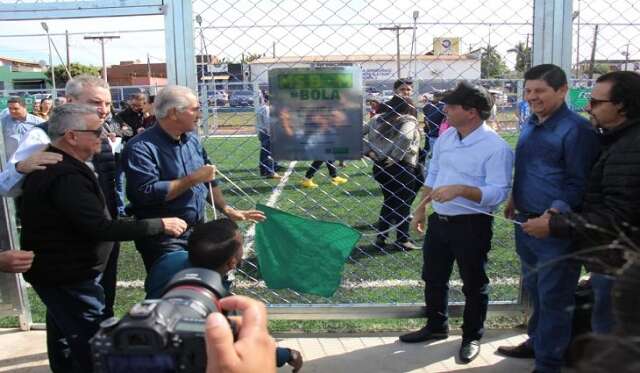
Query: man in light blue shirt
[
  {"x": 469, "y": 176},
  {"x": 16, "y": 124}
]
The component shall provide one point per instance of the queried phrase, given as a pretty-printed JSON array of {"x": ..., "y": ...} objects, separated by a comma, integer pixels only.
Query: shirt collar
[
  {"x": 475, "y": 136},
  {"x": 553, "y": 118},
  {"x": 160, "y": 132}
]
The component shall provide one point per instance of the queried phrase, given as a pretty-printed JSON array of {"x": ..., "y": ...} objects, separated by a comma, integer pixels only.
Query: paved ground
[{"x": 25, "y": 352}]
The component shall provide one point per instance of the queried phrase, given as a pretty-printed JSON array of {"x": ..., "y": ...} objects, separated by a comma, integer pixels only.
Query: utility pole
[
  {"x": 593, "y": 52},
  {"x": 66, "y": 38},
  {"x": 578, "y": 44},
  {"x": 397, "y": 29},
  {"x": 101, "y": 39},
  {"x": 626, "y": 58}
]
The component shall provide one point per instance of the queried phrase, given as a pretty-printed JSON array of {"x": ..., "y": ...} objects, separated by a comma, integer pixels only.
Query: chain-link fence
[
  {"x": 238, "y": 43},
  {"x": 435, "y": 44}
]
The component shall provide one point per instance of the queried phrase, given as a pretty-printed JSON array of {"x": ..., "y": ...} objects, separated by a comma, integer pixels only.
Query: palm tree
[{"x": 523, "y": 57}]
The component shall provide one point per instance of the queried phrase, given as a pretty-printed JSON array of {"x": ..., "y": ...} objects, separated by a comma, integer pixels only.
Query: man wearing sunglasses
[
  {"x": 554, "y": 154},
  {"x": 65, "y": 222},
  {"x": 31, "y": 156},
  {"x": 611, "y": 206}
]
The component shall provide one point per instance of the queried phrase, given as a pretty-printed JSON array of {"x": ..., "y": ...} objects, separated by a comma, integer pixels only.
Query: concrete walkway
[{"x": 25, "y": 352}]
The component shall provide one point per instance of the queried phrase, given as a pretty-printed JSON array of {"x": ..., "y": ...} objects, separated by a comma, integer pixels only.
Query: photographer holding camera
[
  {"x": 254, "y": 349},
  {"x": 217, "y": 246}
]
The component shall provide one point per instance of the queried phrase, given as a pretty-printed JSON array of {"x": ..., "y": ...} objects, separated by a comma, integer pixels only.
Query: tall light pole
[
  {"x": 101, "y": 39},
  {"x": 397, "y": 29},
  {"x": 54, "y": 94}
]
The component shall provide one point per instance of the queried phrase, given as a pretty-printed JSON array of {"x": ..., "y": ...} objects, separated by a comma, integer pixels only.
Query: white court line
[
  {"x": 377, "y": 284},
  {"x": 271, "y": 202}
]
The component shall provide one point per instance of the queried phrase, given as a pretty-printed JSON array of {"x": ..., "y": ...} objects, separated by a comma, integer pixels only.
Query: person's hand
[
  {"x": 112, "y": 136},
  {"x": 419, "y": 219},
  {"x": 509, "y": 209},
  {"x": 255, "y": 349},
  {"x": 446, "y": 193},
  {"x": 38, "y": 161},
  {"x": 538, "y": 227},
  {"x": 204, "y": 174},
  {"x": 174, "y": 226},
  {"x": 140, "y": 130},
  {"x": 15, "y": 261},
  {"x": 242, "y": 215}
]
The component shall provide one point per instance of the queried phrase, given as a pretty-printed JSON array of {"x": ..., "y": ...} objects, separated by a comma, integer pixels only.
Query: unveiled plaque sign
[{"x": 316, "y": 113}]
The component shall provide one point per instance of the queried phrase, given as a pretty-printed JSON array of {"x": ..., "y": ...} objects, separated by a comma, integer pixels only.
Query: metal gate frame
[{"x": 551, "y": 44}]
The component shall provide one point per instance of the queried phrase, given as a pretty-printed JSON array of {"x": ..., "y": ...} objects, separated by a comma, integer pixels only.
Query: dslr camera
[{"x": 162, "y": 335}]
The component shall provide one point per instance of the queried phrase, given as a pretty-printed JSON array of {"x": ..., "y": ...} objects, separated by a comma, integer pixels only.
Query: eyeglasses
[
  {"x": 96, "y": 132},
  {"x": 595, "y": 102}
]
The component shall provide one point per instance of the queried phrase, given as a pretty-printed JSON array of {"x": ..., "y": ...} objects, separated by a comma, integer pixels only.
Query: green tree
[
  {"x": 523, "y": 57},
  {"x": 491, "y": 63},
  {"x": 601, "y": 69},
  {"x": 74, "y": 69}
]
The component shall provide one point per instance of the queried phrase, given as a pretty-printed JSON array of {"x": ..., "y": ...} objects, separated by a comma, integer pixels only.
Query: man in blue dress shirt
[
  {"x": 15, "y": 124},
  {"x": 469, "y": 176},
  {"x": 168, "y": 173},
  {"x": 554, "y": 155}
]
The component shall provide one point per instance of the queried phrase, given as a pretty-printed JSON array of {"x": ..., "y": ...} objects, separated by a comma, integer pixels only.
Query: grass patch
[{"x": 356, "y": 203}]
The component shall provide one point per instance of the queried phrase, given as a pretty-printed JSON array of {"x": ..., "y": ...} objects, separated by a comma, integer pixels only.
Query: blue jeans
[
  {"x": 120, "y": 187},
  {"x": 267, "y": 164},
  {"x": 602, "y": 321},
  {"x": 74, "y": 313},
  {"x": 152, "y": 248},
  {"x": 551, "y": 284}
]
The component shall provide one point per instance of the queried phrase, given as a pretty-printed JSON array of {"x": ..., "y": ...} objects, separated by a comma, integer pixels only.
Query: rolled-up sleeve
[
  {"x": 143, "y": 176},
  {"x": 498, "y": 170}
]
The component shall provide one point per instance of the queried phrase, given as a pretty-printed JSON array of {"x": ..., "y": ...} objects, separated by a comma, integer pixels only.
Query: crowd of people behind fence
[{"x": 570, "y": 188}]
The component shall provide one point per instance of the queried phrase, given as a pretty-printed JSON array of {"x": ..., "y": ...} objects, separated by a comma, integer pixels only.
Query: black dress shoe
[
  {"x": 521, "y": 351},
  {"x": 469, "y": 350},
  {"x": 423, "y": 335}
]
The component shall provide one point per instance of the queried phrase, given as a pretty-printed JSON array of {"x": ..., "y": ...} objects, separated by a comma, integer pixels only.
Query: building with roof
[
  {"x": 379, "y": 68},
  {"x": 137, "y": 73},
  {"x": 17, "y": 74}
]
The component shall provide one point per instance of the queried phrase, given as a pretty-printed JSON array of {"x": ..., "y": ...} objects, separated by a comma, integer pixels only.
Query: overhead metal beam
[
  {"x": 80, "y": 9},
  {"x": 180, "y": 49},
  {"x": 552, "y": 33}
]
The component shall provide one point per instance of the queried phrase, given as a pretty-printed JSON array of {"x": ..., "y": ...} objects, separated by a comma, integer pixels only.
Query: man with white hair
[
  {"x": 66, "y": 222},
  {"x": 168, "y": 173}
]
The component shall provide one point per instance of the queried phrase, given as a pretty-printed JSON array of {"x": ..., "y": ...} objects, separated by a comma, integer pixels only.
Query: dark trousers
[
  {"x": 267, "y": 164},
  {"x": 333, "y": 172},
  {"x": 109, "y": 279},
  {"x": 465, "y": 239},
  {"x": 397, "y": 183},
  {"x": 74, "y": 313}
]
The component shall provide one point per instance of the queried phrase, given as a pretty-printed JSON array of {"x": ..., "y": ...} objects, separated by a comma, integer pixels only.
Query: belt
[{"x": 459, "y": 218}]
